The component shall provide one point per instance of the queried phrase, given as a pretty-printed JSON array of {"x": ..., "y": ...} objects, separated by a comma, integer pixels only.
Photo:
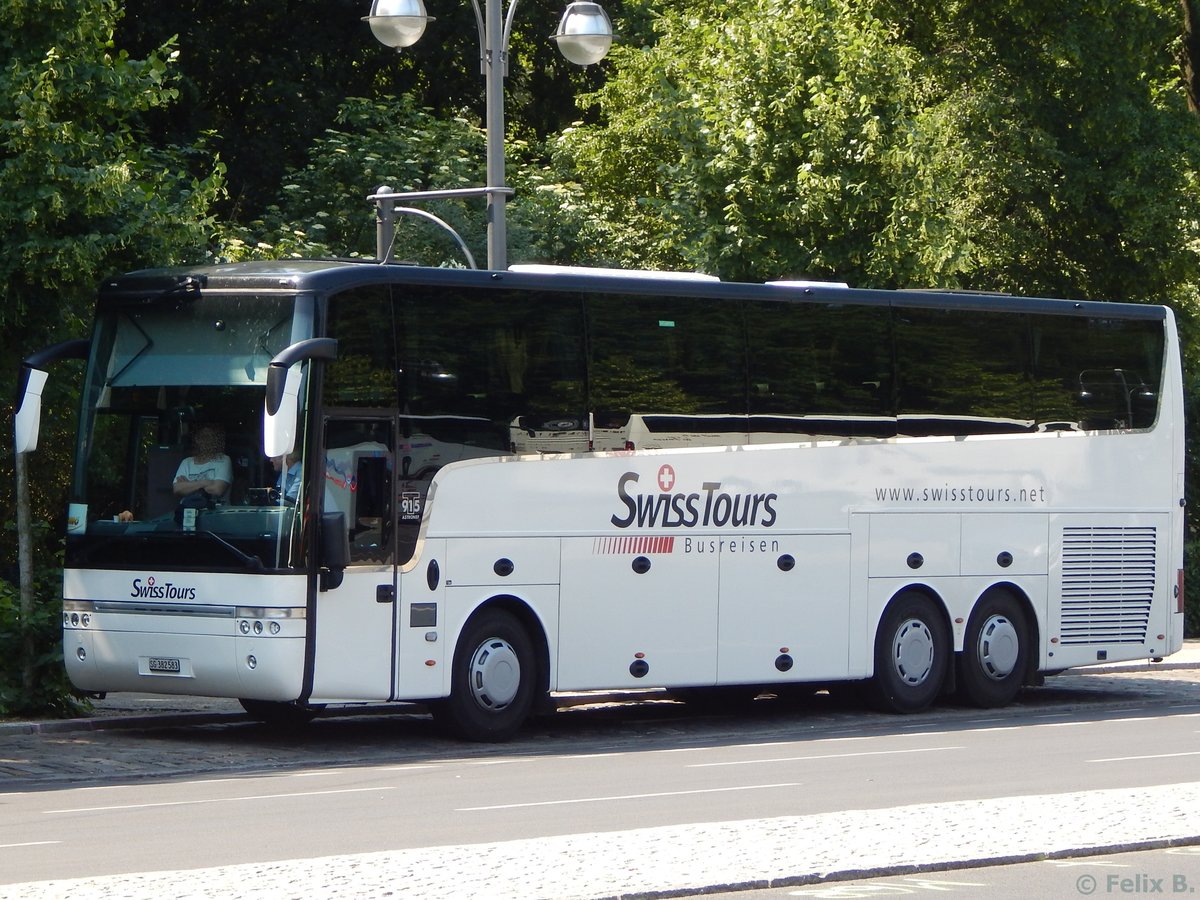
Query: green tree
[
  {"x": 82, "y": 193},
  {"x": 1054, "y": 153},
  {"x": 1022, "y": 146},
  {"x": 267, "y": 78},
  {"x": 322, "y": 208},
  {"x": 749, "y": 140}
]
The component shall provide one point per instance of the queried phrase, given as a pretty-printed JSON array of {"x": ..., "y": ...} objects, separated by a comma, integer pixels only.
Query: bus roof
[{"x": 329, "y": 275}]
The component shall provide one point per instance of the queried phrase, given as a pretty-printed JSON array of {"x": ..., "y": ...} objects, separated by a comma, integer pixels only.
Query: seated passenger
[
  {"x": 287, "y": 485},
  {"x": 208, "y": 469}
]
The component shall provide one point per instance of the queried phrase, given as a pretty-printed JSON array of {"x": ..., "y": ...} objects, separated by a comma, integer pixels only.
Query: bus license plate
[{"x": 164, "y": 664}]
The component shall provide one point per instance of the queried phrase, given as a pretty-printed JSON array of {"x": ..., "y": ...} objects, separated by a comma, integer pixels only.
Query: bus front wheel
[
  {"x": 492, "y": 683},
  {"x": 912, "y": 649},
  {"x": 995, "y": 653}
]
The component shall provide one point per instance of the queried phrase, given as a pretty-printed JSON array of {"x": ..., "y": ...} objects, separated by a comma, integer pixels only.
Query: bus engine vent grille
[{"x": 1107, "y": 583}]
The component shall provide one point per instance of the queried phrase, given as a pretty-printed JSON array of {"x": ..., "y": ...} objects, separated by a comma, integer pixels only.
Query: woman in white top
[{"x": 208, "y": 468}]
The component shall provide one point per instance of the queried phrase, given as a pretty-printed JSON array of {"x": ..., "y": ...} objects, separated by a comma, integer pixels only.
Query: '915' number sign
[{"x": 410, "y": 506}]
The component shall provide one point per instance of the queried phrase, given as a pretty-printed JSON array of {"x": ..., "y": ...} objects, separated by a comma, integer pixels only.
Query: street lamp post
[{"x": 583, "y": 37}]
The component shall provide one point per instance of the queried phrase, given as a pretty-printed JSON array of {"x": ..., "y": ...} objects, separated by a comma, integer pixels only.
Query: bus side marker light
[
  {"x": 638, "y": 668},
  {"x": 431, "y": 663},
  {"x": 783, "y": 662},
  {"x": 503, "y": 567},
  {"x": 915, "y": 560},
  {"x": 786, "y": 563},
  {"x": 641, "y": 565}
]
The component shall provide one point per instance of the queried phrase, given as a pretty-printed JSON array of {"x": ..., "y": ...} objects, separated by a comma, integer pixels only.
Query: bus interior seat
[{"x": 161, "y": 465}]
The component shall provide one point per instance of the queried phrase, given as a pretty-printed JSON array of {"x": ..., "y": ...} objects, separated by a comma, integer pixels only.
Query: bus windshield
[{"x": 169, "y": 467}]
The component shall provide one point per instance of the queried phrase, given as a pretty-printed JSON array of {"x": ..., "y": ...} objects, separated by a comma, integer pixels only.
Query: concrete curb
[{"x": 900, "y": 871}]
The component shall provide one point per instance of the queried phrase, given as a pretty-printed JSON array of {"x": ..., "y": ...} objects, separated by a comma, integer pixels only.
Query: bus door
[{"x": 355, "y": 629}]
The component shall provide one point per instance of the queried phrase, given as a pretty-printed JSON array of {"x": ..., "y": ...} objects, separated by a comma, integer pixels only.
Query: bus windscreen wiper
[{"x": 252, "y": 562}]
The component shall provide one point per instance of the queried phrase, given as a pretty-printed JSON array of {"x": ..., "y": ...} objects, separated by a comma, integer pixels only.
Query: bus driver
[{"x": 208, "y": 468}]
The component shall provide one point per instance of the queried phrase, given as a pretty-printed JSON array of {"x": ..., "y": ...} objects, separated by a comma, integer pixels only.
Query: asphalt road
[{"x": 89, "y": 803}]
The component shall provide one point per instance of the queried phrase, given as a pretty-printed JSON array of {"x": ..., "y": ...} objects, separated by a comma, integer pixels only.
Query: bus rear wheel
[
  {"x": 912, "y": 650},
  {"x": 492, "y": 683},
  {"x": 995, "y": 653}
]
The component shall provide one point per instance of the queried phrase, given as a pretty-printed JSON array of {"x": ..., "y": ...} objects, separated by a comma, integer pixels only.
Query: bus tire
[
  {"x": 278, "y": 714},
  {"x": 995, "y": 655},
  {"x": 492, "y": 683},
  {"x": 912, "y": 651}
]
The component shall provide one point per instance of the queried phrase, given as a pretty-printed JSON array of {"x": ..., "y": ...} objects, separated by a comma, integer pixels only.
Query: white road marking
[
  {"x": 748, "y": 787},
  {"x": 85, "y": 809},
  {"x": 28, "y": 844},
  {"x": 1151, "y": 756},
  {"x": 752, "y": 762}
]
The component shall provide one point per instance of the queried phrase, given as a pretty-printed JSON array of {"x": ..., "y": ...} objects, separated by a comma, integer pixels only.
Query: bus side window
[{"x": 1101, "y": 374}]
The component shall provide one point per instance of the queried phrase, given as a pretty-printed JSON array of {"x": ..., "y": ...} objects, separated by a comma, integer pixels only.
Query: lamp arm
[
  {"x": 482, "y": 28},
  {"x": 508, "y": 26}
]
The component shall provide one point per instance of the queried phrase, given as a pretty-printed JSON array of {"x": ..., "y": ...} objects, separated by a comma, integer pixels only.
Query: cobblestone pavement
[{"x": 132, "y": 737}]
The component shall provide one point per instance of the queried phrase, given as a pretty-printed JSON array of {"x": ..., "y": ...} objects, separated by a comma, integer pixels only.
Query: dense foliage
[
  {"x": 1045, "y": 150},
  {"x": 266, "y": 79},
  {"x": 84, "y": 191}
]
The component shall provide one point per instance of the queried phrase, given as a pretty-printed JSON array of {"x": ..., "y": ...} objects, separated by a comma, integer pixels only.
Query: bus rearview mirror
[
  {"x": 281, "y": 411},
  {"x": 281, "y": 407},
  {"x": 28, "y": 419}
]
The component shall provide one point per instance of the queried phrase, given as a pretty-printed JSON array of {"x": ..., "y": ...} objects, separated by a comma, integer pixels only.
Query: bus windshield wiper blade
[{"x": 252, "y": 562}]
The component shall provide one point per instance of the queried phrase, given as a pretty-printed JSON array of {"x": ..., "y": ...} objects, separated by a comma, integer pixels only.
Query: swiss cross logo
[{"x": 666, "y": 478}]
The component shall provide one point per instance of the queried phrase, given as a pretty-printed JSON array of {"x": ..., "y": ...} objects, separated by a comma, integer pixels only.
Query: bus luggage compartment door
[
  {"x": 636, "y": 612},
  {"x": 784, "y": 608}
]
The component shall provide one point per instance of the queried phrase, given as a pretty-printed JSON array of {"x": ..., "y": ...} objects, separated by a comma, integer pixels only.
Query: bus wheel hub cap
[
  {"x": 495, "y": 674},
  {"x": 999, "y": 647},
  {"x": 913, "y": 651}
]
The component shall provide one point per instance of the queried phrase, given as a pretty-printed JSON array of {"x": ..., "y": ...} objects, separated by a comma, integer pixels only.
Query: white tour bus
[{"x": 923, "y": 492}]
